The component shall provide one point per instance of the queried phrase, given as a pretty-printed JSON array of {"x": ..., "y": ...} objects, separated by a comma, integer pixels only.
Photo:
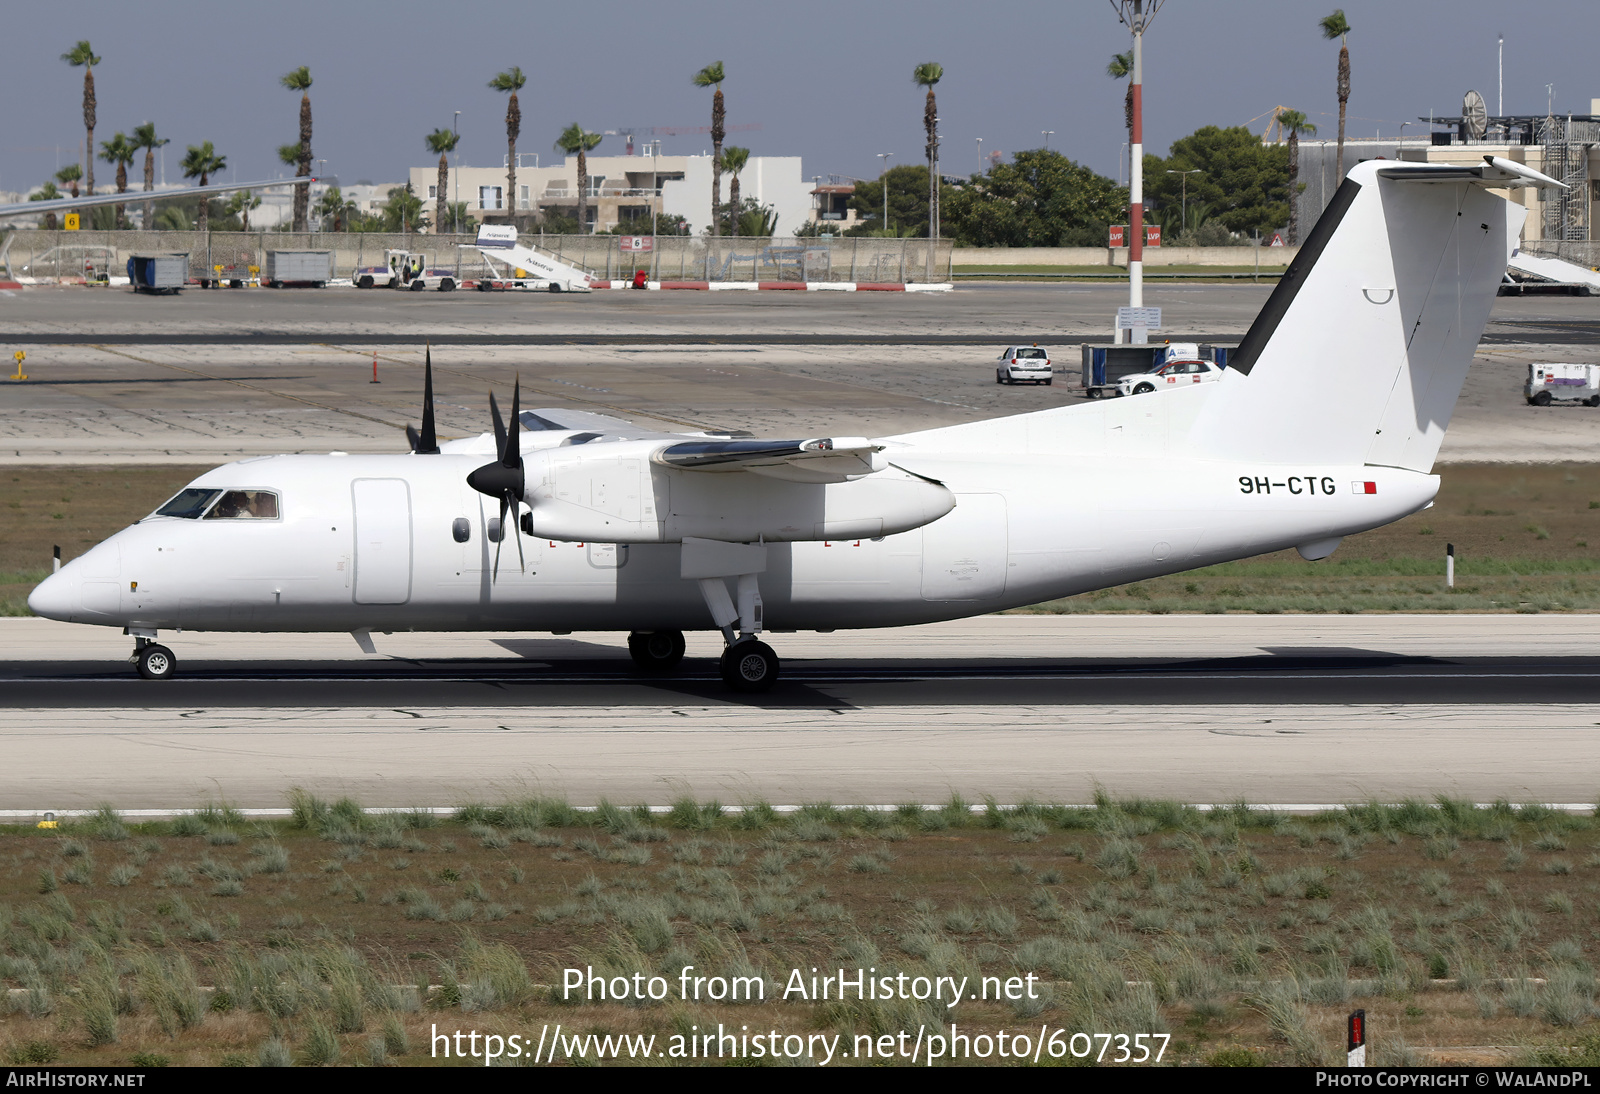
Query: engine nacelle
[{"x": 623, "y": 497}]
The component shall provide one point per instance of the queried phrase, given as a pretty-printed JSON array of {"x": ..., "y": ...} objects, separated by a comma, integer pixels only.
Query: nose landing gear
[
  {"x": 154, "y": 661},
  {"x": 749, "y": 665}
]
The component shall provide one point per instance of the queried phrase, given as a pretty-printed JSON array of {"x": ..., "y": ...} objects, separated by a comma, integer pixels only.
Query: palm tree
[
  {"x": 299, "y": 80},
  {"x": 734, "y": 159},
  {"x": 442, "y": 141},
  {"x": 1294, "y": 123},
  {"x": 81, "y": 54},
  {"x": 69, "y": 177},
  {"x": 47, "y": 192},
  {"x": 144, "y": 136},
  {"x": 576, "y": 139},
  {"x": 334, "y": 206},
  {"x": 1337, "y": 26},
  {"x": 512, "y": 80},
  {"x": 119, "y": 151},
  {"x": 712, "y": 76},
  {"x": 1121, "y": 68},
  {"x": 240, "y": 204},
  {"x": 927, "y": 75},
  {"x": 202, "y": 162}
]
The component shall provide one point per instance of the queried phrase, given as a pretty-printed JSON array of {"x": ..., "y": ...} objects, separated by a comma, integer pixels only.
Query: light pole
[
  {"x": 883, "y": 180},
  {"x": 980, "y": 155},
  {"x": 322, "y": 171},
  {"x": 816, "y": 200},
  {"x": 1048, "y": 133},
  {"x": 455, "y": 175},
  {"x": 1136, "y": 14},
  {"x": 1184, "y": 189}
]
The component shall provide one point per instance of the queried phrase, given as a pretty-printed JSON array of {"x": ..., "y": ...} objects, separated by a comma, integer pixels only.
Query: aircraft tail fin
[{"x": 1361, "y": 350}]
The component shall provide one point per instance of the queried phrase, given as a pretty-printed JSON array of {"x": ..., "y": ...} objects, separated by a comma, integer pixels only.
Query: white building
[{"x": 623, "y": 189}]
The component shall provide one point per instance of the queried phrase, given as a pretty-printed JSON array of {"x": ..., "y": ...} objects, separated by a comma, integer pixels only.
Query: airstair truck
[{"x": 528, "y": 269}]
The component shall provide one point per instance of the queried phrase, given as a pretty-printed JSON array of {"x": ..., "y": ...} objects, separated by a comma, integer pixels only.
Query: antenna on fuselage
[{"x": 425, "y": 443}]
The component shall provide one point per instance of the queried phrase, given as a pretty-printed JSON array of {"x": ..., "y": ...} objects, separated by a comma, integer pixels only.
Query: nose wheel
[
  {"x": 749, "y": 666},
  {"x": 154, "y": 662}
]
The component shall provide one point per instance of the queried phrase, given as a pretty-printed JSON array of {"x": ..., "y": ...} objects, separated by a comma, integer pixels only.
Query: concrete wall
[
  {"x": 770, "y": 180},
  {"x": 1271, "y": 257}
]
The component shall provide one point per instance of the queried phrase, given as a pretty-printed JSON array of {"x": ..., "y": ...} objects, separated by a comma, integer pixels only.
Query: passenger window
[
  {"x": 461, "y": 529},
  {"x": 188, "y": 503},
  {"x": 245, "y": 505}
]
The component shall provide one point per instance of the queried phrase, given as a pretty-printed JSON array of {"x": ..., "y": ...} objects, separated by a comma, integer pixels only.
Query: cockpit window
[
  {"x": 188, "y": 503},
  {"x": 245, "y": 505}
]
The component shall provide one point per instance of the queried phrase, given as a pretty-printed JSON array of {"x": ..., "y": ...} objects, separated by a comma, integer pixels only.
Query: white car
[
  {"x": 1024, "y": 363},
  {"x": 1170, "y": 375}
]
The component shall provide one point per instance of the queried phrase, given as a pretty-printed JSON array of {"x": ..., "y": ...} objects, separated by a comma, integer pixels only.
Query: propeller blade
[
  {"x": 502, "y": 538},
  {"x": 516, "y": 530},
  {"x": 511, "y": 450},
  {"x": 499, "y": 427},
  {"x": 413, "y": 438},
  {"x": 428, "y": 444}
]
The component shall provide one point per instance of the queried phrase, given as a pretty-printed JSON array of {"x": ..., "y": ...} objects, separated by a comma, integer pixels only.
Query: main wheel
[
  {"x": 417, "y": 285},
  {"x": 1144, "y": 389},
  {"x": 749, "y": 666},
  {"x": 365, "y": 282},
  {"x": 656, "y": 651},
  {"x": 447, "y": 285},
  {"x": 1541, "y": 399},
  {"x": 554, "y": 287},
  {"x": 155, "y": 662}
]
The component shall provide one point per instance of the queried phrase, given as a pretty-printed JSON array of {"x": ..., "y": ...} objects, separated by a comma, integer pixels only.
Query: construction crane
[
  {"x": 648, "y": 131},
  {"x": 1273, "y": 131}
]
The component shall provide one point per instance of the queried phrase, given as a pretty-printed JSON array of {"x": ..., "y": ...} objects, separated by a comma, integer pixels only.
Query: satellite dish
[{"x": 1476, "y": 115}]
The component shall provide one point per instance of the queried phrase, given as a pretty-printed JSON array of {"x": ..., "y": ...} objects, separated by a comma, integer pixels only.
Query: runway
[{"x": 1202, "y": 708}]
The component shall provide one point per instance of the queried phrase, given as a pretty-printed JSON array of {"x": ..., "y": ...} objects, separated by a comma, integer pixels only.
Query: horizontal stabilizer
[{"x": 1495, "y": 171}]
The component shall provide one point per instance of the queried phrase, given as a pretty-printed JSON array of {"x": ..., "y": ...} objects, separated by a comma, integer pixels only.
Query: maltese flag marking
[{"x": 1363, "y": 488}]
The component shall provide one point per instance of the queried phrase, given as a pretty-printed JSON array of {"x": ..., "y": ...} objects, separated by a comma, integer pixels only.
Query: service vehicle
[
  {"x": 1024, "y": 365},
  {"x": 404, "y": 270},
  {"x": 1184, "y": 367},
  {"x": 1326, "y": 423},
  {"x": 1552, "y": 382}
]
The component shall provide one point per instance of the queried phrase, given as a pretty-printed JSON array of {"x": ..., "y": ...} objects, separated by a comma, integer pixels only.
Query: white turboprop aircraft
[{"x": 1326, "y": 423}]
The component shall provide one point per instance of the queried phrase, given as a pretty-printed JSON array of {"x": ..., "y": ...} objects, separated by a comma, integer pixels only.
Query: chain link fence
[{"x": 63, "y": 256}]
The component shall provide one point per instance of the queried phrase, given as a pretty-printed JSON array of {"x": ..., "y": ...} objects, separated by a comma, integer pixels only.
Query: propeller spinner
[{"x": 503, "y": 479}]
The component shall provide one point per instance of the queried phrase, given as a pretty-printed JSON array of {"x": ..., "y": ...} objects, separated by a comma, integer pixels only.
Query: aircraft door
[
  {"x": 965, "y": 552},
  {"x": 383, "y": 541}
]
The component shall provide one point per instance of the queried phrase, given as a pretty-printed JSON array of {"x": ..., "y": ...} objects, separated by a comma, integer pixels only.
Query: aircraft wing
[
  {"x": 134, "y": 197},
  {"x": 818, "y": 459},
  {"x": 603, "y": 426}
]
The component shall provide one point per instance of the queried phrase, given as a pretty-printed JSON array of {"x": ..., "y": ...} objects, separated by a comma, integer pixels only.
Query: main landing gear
[
  {"x": 748, "y": 664},
  {"x": 154, "y": 662}
]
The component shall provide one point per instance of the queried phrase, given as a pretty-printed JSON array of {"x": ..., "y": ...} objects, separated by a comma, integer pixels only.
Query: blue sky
[{"x": 826, "y": 80}]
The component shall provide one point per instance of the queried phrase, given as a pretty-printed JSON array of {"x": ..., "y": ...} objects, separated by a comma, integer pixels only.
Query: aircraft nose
[{"x": 56, "y": 597}]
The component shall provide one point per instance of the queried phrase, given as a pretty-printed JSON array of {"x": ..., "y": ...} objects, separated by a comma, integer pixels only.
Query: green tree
[
  {"x": 576, "y": 140},
  {"x": 442, "y": 141},
  {"x": 927, "y": 75},
  {"x": 404, "y": 211},
  {"x": 712, "y": 76},
  {"x": 300, "y": 80},
  {"x": 69, "y": 176},
  {"x": 908, "y": 202},
  {"x": 202, "y": 162},
  {"x": 1041, "y": 199},
  {"x": 47, "y": 192},
  {"x": 119, "y": 151},
  {"x": 144, "y": 136},
  {"x": 734, "y": 159},
  {"x": 1294, "y": 123},
  {"x": 1243, "y": 184},
  {"x": 1337, "y": 26},
  {"x": 512, "y": 81},
  {"x": 82, "y": 56}
]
